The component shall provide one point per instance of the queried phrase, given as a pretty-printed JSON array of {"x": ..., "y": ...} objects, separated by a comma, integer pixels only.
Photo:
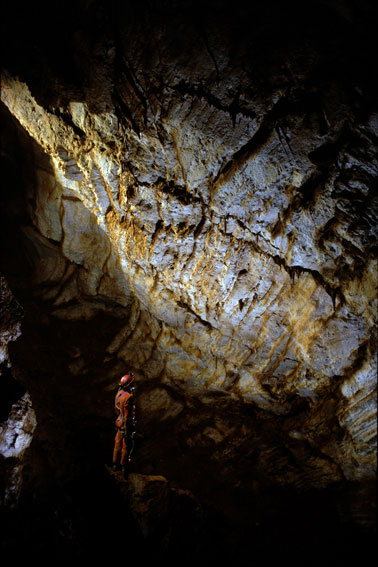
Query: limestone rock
[
  {"x": 16, "y": 434},
  {"x": 149, "y": 501},
  {"x": 256, "y": 278},
  {"x": 168, "y": 518},
  {"x": 10, "y": 320}
]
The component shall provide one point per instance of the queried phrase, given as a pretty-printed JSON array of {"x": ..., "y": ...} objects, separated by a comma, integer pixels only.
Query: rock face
[
  {"x": 11, "y": 313},
  {"x": 197, "y": 199},
  {"x": 17, "y": 417}
]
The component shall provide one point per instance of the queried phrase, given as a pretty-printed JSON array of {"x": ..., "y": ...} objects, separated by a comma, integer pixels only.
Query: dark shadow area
[
  {"x": 89, "y": 520},
  {"x": 10, "y": 391}
]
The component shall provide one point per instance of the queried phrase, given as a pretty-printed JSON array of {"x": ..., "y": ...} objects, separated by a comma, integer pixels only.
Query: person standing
[{"x": 125, "y": 423}]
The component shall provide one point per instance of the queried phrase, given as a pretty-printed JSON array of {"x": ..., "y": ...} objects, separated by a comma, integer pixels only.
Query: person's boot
[{"x": 125, "y": 471}]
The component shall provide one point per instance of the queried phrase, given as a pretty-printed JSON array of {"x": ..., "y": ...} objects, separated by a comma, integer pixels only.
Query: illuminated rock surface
[{"x": 196, "y": 198}]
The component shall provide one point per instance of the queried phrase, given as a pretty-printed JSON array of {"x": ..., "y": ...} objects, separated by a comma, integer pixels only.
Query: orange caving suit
[{"x": 123, "y": 401}]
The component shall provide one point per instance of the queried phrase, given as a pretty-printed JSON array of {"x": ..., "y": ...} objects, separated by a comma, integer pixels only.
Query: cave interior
[{"x": 222, "y": 132}]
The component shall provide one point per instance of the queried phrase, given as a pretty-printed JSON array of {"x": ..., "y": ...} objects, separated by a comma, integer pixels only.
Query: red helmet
[{"x": 127, "y": 379}]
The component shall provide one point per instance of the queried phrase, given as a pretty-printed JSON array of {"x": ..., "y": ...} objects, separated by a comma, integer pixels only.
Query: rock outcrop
[
  {"x": 17, "y": 417},
  {"x": 198, "y": 202}
]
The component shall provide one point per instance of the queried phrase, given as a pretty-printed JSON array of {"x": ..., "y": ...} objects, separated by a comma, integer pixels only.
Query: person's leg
[
  {"x": 117, "y": 448},
  {"x": 124, "y": 458}
]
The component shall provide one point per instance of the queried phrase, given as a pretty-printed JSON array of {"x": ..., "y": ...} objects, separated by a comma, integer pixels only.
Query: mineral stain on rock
[{"x": 190, "y": 190}]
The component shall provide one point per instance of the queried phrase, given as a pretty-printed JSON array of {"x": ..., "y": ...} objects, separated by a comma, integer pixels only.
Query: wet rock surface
[{"x": 193, "y": 194}]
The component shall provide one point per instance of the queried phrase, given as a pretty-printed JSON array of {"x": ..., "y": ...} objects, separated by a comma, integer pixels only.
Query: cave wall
[{"x": 198, "y": 200}]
